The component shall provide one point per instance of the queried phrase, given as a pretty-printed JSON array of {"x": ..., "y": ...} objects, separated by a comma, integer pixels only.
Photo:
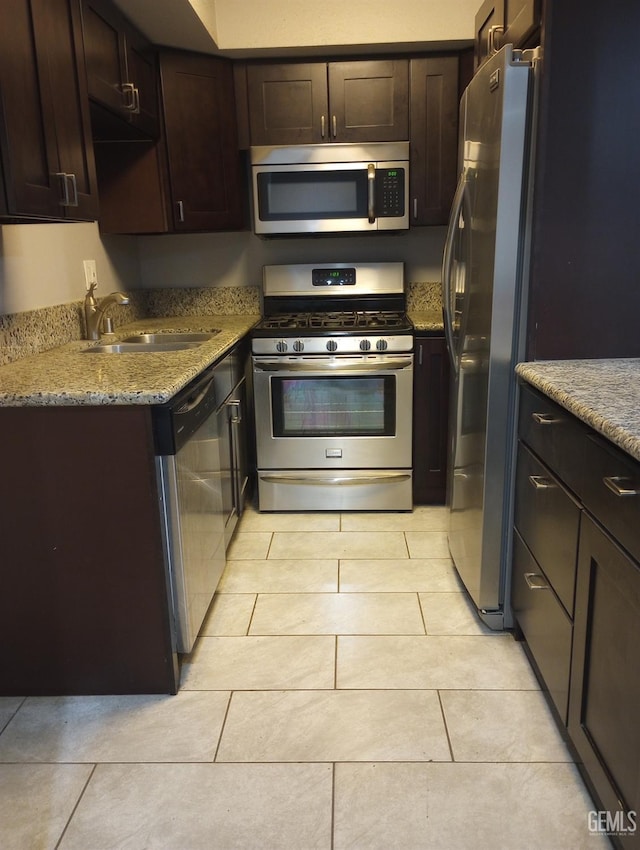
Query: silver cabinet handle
[
  {"x": 235, "y": 414},
  {"x": 322, "y": 129},
  {"x": 371, "y": 192},
  {"x": 131, "y": 98},
  {"x": 536, "y": 581},
  {"x": 539, "y": 482},
  {"x": 415, "y": 208},
  {"x": 64, "y": 188},
  {"x": 334, "y": 124},
  {"x": 181, "y": 211},
  {"x": 493, "y": 44},
  {"x": 544, "y": 419},
  {"x": 74, "y": 190},
  {"x": 620, "y": 486},
  {"x": 69, "y": 189}
]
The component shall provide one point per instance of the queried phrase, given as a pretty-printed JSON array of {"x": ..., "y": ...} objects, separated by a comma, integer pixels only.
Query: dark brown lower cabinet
[
  {"x": 84, "y": 604},
  {"x": 576, "y": 598},
  {"x": 430, "y": 419},
  {"x": 604, "y": 706}
]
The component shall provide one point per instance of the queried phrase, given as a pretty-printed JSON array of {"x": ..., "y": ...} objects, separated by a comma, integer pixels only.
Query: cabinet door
[
  {"x": 288, "y": 103},
  {"x": 47, "y": 155},
  {"x": 604, "y": 703},
  {"x": 489, "y": 28},
  {"x": 121, "y": 71},
  {"x": 369, "y": 101},
  {"x": 142, "y": 72},
  {"x": 430, "y": 420},
  {"x": 521, "y": 22},
  {"x": 202, "y": 150},
  {"x": 105, "y": 54},
  {"x": 60, "y": 28},
  {"x": 434, "y": 138}
]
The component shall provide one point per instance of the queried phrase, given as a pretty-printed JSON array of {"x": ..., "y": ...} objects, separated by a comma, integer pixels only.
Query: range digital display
[{"x": 333, "y": 277}]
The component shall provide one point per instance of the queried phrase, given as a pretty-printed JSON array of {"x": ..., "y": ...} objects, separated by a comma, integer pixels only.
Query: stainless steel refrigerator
[{"x": 484, "y": 301}]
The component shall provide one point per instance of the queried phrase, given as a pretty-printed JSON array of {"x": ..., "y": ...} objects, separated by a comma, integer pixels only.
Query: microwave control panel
[{"x": 390, "y": 199}]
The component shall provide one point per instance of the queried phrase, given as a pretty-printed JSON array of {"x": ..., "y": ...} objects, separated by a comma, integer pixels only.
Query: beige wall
[
  {"x": 41, "y": 264},
  {"x": 244, "y": 25},
  {"x": 236, "y": 259}
]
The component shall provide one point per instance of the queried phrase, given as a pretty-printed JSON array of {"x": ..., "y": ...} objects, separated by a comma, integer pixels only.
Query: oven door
[
  {"x": 330, "y": 197},
  {"x": 334, "y": 412}
]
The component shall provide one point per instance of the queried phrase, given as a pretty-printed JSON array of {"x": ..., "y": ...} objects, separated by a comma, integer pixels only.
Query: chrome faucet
[{"x": 98, "y": 323}]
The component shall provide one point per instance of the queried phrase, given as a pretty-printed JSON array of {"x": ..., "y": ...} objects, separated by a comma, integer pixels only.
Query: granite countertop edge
[
  {"x": 604, "y": 394},
  {"x": 66, "y": 376}
]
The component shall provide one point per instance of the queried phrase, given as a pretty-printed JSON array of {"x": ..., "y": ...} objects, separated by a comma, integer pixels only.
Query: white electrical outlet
[{"x": 90, "y": 273}]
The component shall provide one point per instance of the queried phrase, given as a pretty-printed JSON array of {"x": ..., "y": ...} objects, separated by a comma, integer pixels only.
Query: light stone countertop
[
  {"x": 604, "y": 394},
  {"x": 427, "y": 320},
  {"x": 67, "y": 376}
]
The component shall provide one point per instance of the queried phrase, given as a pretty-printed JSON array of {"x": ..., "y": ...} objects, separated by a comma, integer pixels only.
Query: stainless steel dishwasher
[{"x": 197, "y": 442}]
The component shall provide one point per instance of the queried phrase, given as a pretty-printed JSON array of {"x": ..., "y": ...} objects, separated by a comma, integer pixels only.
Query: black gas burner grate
[{"x": 342, "y": 320}]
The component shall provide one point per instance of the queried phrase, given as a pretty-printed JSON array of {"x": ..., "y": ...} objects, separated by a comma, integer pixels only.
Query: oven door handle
[
  {"x": 343, "y": 480},
  {"x": 333, "y": 365}
]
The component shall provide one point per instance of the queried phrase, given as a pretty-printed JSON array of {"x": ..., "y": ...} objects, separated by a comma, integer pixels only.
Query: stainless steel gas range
[{"x": 333, "y": 388}]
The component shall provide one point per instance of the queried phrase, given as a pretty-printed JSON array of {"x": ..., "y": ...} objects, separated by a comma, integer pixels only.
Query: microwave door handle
[{"x": 371, "y": 192}]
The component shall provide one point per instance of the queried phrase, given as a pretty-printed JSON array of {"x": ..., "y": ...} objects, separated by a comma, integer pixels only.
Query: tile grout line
[
  {"x": 77, "y": 803},
  {"x": 446, "y": 728},
  {"x": 222, "y": 728}
]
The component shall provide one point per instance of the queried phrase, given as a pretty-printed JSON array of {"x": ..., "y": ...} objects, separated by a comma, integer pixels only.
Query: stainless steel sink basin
[
  {"x": 137, "y": 348},
  {"x": 169, "y": 336}
]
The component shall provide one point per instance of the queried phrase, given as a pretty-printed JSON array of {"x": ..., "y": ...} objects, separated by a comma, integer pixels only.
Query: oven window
[
  {"x": 334, "y": 406},
  {"x": 312, "y": 195}
]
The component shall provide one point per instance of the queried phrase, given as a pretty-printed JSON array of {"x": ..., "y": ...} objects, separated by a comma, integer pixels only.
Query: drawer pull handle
[
  {"x": 545, "y": 418},
  {"x": 539, "y": 482},
  {"x": 536, "y": 581},
  {"x": 620, "y": 486}
]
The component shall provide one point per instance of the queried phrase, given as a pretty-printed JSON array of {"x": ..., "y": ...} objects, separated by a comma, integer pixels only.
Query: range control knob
[
  {"x": 365, "y": 345},
  {"x": 382, "y": 345},
  {"x": 298, "y": 345},
  {"x": 281, "y": 346},
  {"x": 332, "y": 345}
]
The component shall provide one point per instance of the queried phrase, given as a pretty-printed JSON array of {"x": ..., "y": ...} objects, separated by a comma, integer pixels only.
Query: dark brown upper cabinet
[
  {"x": 191, "y": 179},
  {"x": 315, "y": 102},
  {"x": 48, "y": 169},
  {"x": 121, "y": 74},
  {"x": 433, "y": 138},
  {"x": 201, "y": 141},
  {"x": 500, "y": 22}
]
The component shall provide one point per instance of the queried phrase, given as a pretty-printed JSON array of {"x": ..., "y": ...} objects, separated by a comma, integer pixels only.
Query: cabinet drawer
[
  {"x": 611, "y": 491},
  {"x": 544, "y": 623},
  {"x": 553, "y": 434},
  {"x": 548, "y": 520}
]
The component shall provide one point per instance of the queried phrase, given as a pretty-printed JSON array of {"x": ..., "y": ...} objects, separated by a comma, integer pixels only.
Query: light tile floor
[{"x": 343, "y": 694}]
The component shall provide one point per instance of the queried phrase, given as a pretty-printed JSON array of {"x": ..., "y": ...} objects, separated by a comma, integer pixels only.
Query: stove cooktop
[{"x": 349, "y": 321}]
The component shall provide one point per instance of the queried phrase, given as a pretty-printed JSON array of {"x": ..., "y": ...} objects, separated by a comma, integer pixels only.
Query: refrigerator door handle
[{"x": 447, "y": 267}]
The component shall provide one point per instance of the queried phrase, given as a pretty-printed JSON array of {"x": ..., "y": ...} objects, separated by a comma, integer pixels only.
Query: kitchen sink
[
  {"x": 169, "y": 336},
  {"x": 139, "y": 348}
]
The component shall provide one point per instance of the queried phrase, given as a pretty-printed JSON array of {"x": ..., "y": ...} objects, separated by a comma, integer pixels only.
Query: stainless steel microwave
[{"x": 330, "y": 188}]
